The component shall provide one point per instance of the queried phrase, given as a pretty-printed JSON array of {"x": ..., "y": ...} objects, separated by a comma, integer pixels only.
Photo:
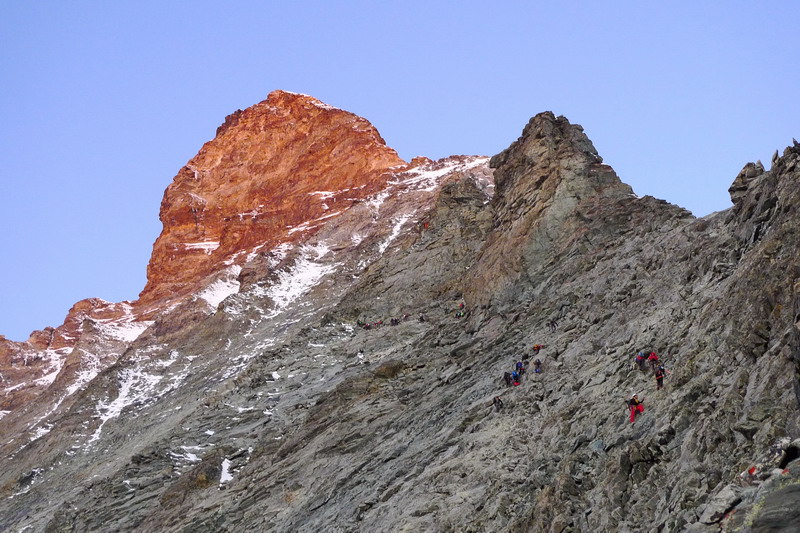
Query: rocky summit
[{"x": 329, "y": 336}]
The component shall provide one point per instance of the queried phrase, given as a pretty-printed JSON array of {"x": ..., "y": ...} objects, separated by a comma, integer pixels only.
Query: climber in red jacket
[
  {"x": 653, "y": 358},
  {"x": 635, "y": 405}
]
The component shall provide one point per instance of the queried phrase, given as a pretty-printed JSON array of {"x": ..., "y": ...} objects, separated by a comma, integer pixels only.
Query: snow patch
[
  {"x": 279, "y": 253},
  {"x": 207, "y": 246},
  {"x": 186, "y": 455},
  {"x": 425, "y": 178},
  {"x": 398, "y": 225},
  {"x": 41, "y": 432},
  {"x": 314, "y": 101},
  {"x": 324, "y": 195},
  {"x": 137, "y": 386},
  {"x": 305, "y": 226},
  {"x": 300, "y": 278},
  {"x": 55, "y": 361},
  {"x": 124, "y": 330},
  {"x": 376, "y": 202},
  {"x": 226, "y": 475},
  {"x": 221, "y": 288},
  {"x": 90, "y": 367}
]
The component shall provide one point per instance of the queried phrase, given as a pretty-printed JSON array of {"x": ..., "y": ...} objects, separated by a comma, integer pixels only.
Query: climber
[
  {"x": 537, "y": 367},
  {"x": 520, "y": 368},
  {"x": 640, "y": 360},
  {"x": 421, "y": 318},
  {"x": 653, "y": 359},
  {"x": 461, "y": 305},
  {"x": 635, "y": 405},
  {"x": 497, "y": 403},
  {"x": 536, "y": 348},
  {"x": 660, "y": 372},
  {"x": 515, "y": 378},
  {"x": 507, "y": 378},
  {"x": 659, "y": 375}
]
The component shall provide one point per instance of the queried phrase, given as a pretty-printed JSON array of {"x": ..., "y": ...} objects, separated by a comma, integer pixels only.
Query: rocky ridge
[{"x": 257, "y": 403}]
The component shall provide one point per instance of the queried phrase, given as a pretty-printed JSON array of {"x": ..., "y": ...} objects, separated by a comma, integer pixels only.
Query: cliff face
[{"x": 258, "y": 401}]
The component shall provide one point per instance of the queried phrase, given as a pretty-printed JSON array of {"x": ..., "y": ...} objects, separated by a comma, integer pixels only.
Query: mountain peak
[{"x": 256, "y": 180}]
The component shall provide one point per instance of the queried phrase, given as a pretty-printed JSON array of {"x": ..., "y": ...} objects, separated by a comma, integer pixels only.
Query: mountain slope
[{"x": 258, "y": 402}]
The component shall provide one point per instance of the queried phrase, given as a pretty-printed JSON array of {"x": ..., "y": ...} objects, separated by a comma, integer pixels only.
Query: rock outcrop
[{"x": 328, "y": 379}]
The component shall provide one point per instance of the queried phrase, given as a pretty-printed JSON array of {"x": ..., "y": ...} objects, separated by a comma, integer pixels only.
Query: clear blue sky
[{"x": 102, "y": 102}]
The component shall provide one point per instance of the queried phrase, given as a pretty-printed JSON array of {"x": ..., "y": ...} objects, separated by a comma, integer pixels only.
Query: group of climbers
[
  {"x": 379, "y": 323},
  {"x": 514, "y": 378},
  {"x": 641, "y": 360},
  {"x": 460, "y": 313}
]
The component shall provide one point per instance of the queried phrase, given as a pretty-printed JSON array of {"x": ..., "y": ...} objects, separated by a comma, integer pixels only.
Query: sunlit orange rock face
[{"x": 267, "y": 171}]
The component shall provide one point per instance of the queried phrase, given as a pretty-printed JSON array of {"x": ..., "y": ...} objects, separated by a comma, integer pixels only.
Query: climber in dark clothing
[
  {"x": 507, "y": 379},
  {"x": 520, "y": 368},
  {"x": 497, "y": 403},
  {"x": 537, "y": 367},
  {"x": 635, "y": 406},
  {"x": 660, "y": 372},
  {"x": 641, "y": 361}
]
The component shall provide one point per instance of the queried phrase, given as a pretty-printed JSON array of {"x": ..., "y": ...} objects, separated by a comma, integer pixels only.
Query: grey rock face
[{"x": 280, "y": 414}]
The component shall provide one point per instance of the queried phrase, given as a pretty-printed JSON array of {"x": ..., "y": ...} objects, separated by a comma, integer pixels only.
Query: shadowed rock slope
[{"x": 265, "y": 416}]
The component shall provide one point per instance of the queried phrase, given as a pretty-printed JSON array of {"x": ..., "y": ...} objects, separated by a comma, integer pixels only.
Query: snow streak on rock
[
  {"x": 123, "y": 330},
  {"x": 226, "y": 475},
  {"x": 140, "y": 385},
  {"x": 398, "y": 225},
  {"x": 55, "y": 360},
  {"x": 90, "y": 367},
  {"x": 427, "y": 177},
  {"x": 300, "y": 278},
  {"x": 223, "y": 287},
  {"x": 207, "y": 247}
]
